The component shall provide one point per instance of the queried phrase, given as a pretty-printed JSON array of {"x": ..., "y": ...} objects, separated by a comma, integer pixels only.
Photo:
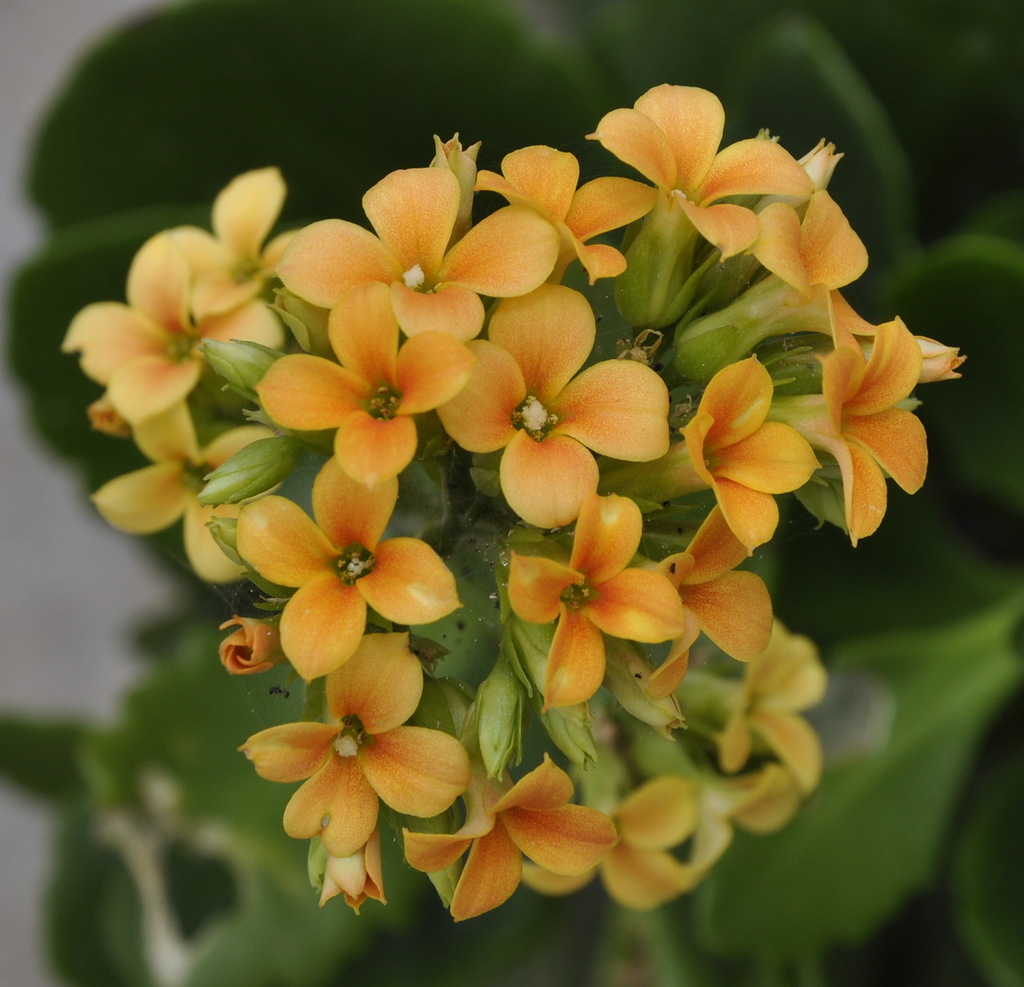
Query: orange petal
[
  {"x": 616, "y": 408},
  {"x": 576, "y": 661},
  {"x": 535, "y": 584},
  {"x": 892, "y": 370},
  {"x": 479, "y": 417},
  {"x": 897, "y": 441},
  {"x": 754, "y": 167},
  {"x": 309, "y": 392},
  {"x": 349, "y": 512},
  {"x": 452, "y": 309},
  {"x": 638, "y": 605},
  {"x": 546, "y": 482},
  {"x": 364, "y": 333},
  {"x": 729, "y": 227},
  {"x": 599, "y": 260},
  {"x": 638, "y": 141},
  {"x": 349, "y": 802},
  {"x": 834, "y": 254},
  {"x": 778, "y": 245},
  {"x": 864, "y": 492},
  {"x": 253, "y": 321},
  {"x": 150, "y": 385},
  {"x": 511, "y": 252},
  {"x": 414, "y": 211},
  {"x": 735, "y": 611},
  {"x": 109, "y": 335},
  {"x": 714, "y": 550},
  {"x": 326, "y": 260},
  {"x": 549, "y": 332},
  {"x": 752, "y": 515},
  {"x": 692, "y": 120},
  {"x": 774, "y": 459},
  {"x": 430, "y": 852},
  {"x": 490, "y": 876},
  {"x": 568, "y": 840},
  {"x": 410, "y": 584},
  {"x": 144, "y": 501},
  {"x": 738, "y": 398},
  {"x": 416, "y": 771},
  {"x": 546, "y": 176},
  {"x": 246, "y": 209},
  {"x": 278, "y": 539},
  {"x": 291, "y": 751},
  {"x": 642, "y": 879},
  {"x": 372, "y": 450},
  {"x": 607, "y": 537},
  {"x": 547, "y": 786},
  {"x": 322, "y": 625},
  {"x": 432, "y": 368},
  {"x": 381, "y": 683},
  {"x": 606, "y": 204}
]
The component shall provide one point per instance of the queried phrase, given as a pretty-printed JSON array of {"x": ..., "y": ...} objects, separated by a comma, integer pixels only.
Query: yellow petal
[
  {"x": 289, "y": 752},
  {"x": 322, "y": 626},
  {"x": 642, "y": 879},
  {"x": 381, "y": 683},
  {"x": 282, "y": 543},
  {"x": 150, "y": 385},
  {"x": 546, "y": 176},
  {"x": 546, "y": 482},
  {"x": 252, "y": 321},
  {"x": 794, "y": 741},
  {"x": 144, "y": 501},
  {"x": 205, "y": 556},
  {"x": 109, "y": 335},
  {"x": 246, "y": 209},
  {"x": 416, "y": 771},
  {"x": 310, "y": 393},
  {"x": 659, "y": 814},
  {"x": 410, "y": 584},
  {"x": 158, "y": 282},
  {"x": 349, "y": 512}
]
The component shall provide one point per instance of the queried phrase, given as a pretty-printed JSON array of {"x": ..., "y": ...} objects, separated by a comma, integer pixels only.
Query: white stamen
[
  {"x": 535, "y": 415},
  {"x": 356, "y": 567},
  {"x": 346, "y": 746},
  {"x": 414, "y": 277}
]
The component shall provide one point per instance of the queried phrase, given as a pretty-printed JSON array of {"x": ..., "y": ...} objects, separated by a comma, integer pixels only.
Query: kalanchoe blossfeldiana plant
[{"x": 457, "y": 397}]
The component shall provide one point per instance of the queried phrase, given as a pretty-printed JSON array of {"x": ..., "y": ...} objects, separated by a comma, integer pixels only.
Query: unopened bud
[
  {"x": 462, "y": 163},
  {"x": 105, "y": 418},
  {"x": 225, "y": 533},
  {"x": 254, "y": 646},
  {"x": 939, "y": 362},
  {"x": 241, "y": 364},
  {"x": 626, "y": 674},
  {"x": 307, "y": 322},
  {"x": 499, "y": 715},
  {"x": 251, "y": 471}
]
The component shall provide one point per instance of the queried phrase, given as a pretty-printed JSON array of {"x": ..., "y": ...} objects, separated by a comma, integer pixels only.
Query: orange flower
[
  {"x": 858, "y": 421},
  {"x": 434, "y": 286},
  {"x": 370, "y": 399},
  {"x": 672, "y": 137},
  {"x": 744, "y": 459},
  {"x": 545, "y": 180},
  {"x": 364, "y": 755},
  {"x": 255, "y": 646},
  {"x": 732, "y": 608},
  {"x": 504, "y": 822},
  {"x": 594, "y": 593},
  {"x": 339, "y": 565},
  {"x": 233, "y": 266},
  {"x": 145, "y": 352},
  {"x": 155, "y": 497},
  {"x": 522, "y": 397}
]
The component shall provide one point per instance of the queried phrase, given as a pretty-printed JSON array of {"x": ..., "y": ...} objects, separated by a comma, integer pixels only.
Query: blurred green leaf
[
  {"x": 989, "y": 872},
  {"x": 872, "y": 834},
  {"x": 41, "y": 756},
  {"x": 1002, "y": 216},
  {"x": 968, "y": 291},
  {"x": 335, "y": 92}
]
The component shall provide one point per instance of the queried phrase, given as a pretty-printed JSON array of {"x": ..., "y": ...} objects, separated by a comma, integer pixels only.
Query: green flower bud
[
  {"x": 225, "y": 534},
  {"x": 626, "y": 671},
  {"x": 499, "y": 715},
  {"x": 251, "y": 471},
  {"x": 241, "y": 364},
  {"x": 306, "y": 322}
]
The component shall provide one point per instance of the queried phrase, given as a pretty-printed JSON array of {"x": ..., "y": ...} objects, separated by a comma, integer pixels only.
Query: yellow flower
[
  {"x": 524, "y": 396},
  {"x": 339, "y": 566},
  {"x": 372, "y": 396},
  {"x": 595, "y": 593},
  {"x": 435, "y": 286},
  {"x": 545, "y": 180},
  {"x": 504, "y": 822},
  {"x": 145, "y": 352},
  {"x": 365, "y": 755},
  {"x": 155, "y": 497}
]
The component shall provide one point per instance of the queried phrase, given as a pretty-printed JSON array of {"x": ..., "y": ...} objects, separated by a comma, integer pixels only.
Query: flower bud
[
  {"x": 105, "y": 418},
  {"x": 626, "y": 673},
  {"x": 462, "y": 163},
  {"x": 939, "y": 362},
  {"x": 306, "y": 322},
  {"x": 225, "y": 533},
  {"x": 251, "y": 471},
  {"x": 254, "y": 646},
  {"x": 241, "y": 364},
  {"x": 820, "y": 162},
  {"x": 499, "y": 715}
]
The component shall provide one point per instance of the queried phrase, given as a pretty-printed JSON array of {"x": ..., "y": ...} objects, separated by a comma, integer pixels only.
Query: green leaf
[
  {"x": 872, "y": 834},
  {"x": 40, "y": 756},
  {"x": 989, "y": 865},
  {"x": 967, "y": 292},
  {"x": 1001, "y": 216},
  {"x": 335, "y": 94}
]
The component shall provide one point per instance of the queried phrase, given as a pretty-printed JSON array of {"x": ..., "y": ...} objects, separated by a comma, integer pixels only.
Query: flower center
[
  {"x": 353, "y": 563},
  {"x": 534, "y": 419},
  {"x": 414, "y": 277},
  {"x": 383, "y": 403},
  {"x": 350, "y": 737},
  {"x": 576, "y": 595}
]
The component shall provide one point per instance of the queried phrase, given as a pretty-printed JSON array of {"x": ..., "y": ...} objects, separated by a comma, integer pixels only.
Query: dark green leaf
[
  {"x": 41, "y": 756},
  {"x": 871, "y": 836}
]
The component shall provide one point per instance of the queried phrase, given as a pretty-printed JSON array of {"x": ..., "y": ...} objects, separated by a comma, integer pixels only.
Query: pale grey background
[{"x": 70, "y": 587}]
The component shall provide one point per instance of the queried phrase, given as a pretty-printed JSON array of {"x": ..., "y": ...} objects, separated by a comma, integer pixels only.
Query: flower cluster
[{"x": 465, "y": 415}]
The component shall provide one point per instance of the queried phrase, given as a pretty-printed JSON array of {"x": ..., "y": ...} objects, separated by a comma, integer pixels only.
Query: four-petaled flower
[
  {"x": 503, "y": 822},
  {"x": 364, "y": 755},
  {"x": 596, "y": 592},
  {"x": 370, "y": 399},
  {"x": 339, "y": 566},
  {"x": 435, "y": 285},
  {"x": 522, "y": 396}
]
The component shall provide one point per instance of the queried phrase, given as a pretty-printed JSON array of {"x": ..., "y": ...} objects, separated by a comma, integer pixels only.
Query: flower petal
[
  {"x": 735, "y": 611},
  {"x": 322, "y": 626},
  {"x": 158, "y": 282},
  {"x": 416, "y": 771},
  {"x": 607, "y": 537},
  {"x": 754, "y": 167},
  {"x": 150, "y": 385},
  {"x": 643, "y": 879},
  {"x": 349, "y": 512},
  {"x": 109, "y": 335},
  {"x": 246, "y": 209},
  {"x": 896, "y": 439},
  {"x": 638, "y": 605},
  {"x": 280, "y": 541},
  {"x": 535, "y": 584},
  {"x": 204, "y": 554},
  {"x": 431, "y": 852},
  {"x": 352, "y": 807},
  {"x": 659, "y": 814},
  {"x": 833, "y": 252},
  {"x": 545, "y": 176},
  {"x": 432, "y": 368},
  {"x": 568, "y": 840},
  {"x": 490, "y": 876},
  {"x": 617, "y": 408},
  {"x": 372, "y": 450},
  {"x": 775, "y": 459},
  {"x": 729, "y": 227},
  {"x": 576, "y": 661},
  {"x": 410, "y": 584},
  {"x": 606, "y": 204},
  {"x": 451, "y": 309},
  {"x": 364, "y": 333},
  {"x": 546, "y": 482},
  {"x": 144, "y": 501},
  {"x": 795, "y": 742},
  {"x": 738, "y": 398},
  {"x": 291, "y": 751},
  {"x": 638, "y": 141},
  {"x": 752, "y": 515},
  {"x": 309, "y": 392},
  {"x": 547, "y": 786},
  {"x": 252, "y": 321},
  {"x": 381, "y": 683}
]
